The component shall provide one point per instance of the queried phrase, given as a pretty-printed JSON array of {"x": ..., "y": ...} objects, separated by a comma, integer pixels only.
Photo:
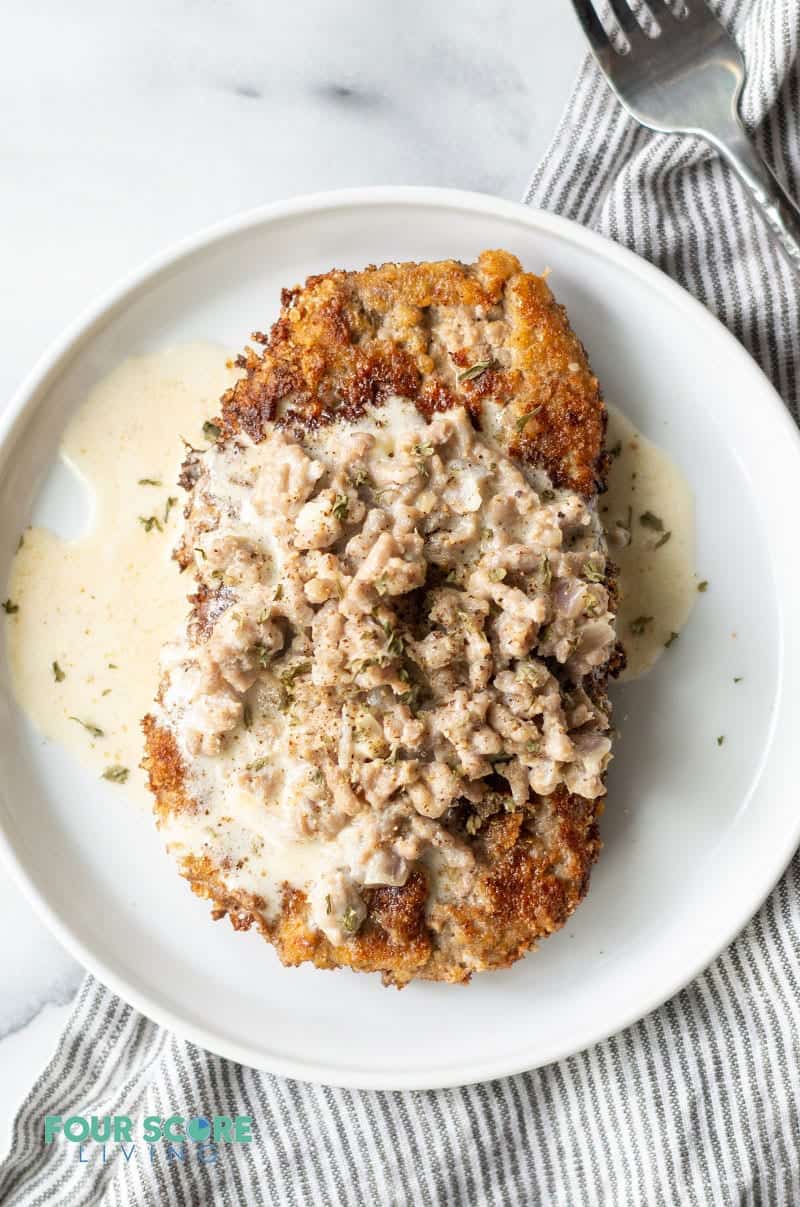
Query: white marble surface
[{"x": 129, "y": 126}]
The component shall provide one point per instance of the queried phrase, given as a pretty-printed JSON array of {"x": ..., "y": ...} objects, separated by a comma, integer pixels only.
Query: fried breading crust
[
  {"x": 342, "y": 342},
  {"x": 348, "y": 339}
]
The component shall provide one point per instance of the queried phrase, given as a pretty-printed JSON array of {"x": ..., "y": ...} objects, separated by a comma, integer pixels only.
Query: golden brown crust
[
  {"x": 348, "y": 339},
  {"x": 527, "y": 886},
  {"x": 343, "y": 341},
  {"x": 165, "y": 769}
]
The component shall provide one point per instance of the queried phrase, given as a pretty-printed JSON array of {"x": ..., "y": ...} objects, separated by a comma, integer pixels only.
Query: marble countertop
[{"x": 130, "y": 126}]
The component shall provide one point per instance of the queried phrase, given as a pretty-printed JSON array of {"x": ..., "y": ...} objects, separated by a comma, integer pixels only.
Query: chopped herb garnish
[
  {"x": 300, "y": 668},
  {"x": 547, "y": 496},
  {"x": 200, "y": 552},
  {"x": 720, "y": 739},
  {"x": 116, "y": 774},
  {"x": 672, "y": 637},
  {"x": 210, "y": 430},
  {"x": 328, "y": 904},
  {"x": 523, "y": 419},
  {"x": 648, "y": 520},
  {"x": 287, "y": 679},
  {"x": 497, "y": 574},
  {"x": 58, "y": 674},
  {"x": 639, "y": 625},
  {"x": 263, "y": 654},
  {"x": 592, "y": 605},
  {"x": 475, "y": 370},
  {"x": 350, "y": 921},
  {"x": 662, "y": 540},
  {"x": 592, "y": 573},
  {"x": 9, "y": 608},
  {"x": 168, "y": 506},
  {"x": 94, "y": 730},
  {"x": 546, "y": 570},
  {"x": 149, "y": 482},
  {"x": 411, "y": 698},
  {"x": 21, "y": 541},
  {"x": 703, "y": 586},
  {"x": 616, "y": 449},
  {"x": 473, "y": 823},
  {"x": 112, "y": 666},
  {"x": 358, "y": 476},
  {"x": 106, "y": 692},
  {"x": 340, "y": 507},
  {"x": 278, "y": 592},
  {"x": 149, "y": 522},
  {"x": 394, "y": 641},
  {"x": 737, "y": 678},
  {"x": 247, "y": 716},
  {"x": 257, "y": 764},
  {"x": 423, "y": 450}
]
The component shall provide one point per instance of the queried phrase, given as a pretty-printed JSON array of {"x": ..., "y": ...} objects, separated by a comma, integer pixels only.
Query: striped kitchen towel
[{"x": 696, "y": 1104}]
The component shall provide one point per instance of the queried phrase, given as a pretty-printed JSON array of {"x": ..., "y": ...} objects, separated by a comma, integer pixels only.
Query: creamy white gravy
[
  {"x": 100, "y": 607},
  {"x": 94, "y": 612},
  {"x": 349, "y": 524},
  {"x": 649, "y": 497}
]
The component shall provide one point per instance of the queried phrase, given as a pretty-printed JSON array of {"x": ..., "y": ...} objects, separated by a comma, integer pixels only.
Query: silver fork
[{"x": 685, "y": 76}]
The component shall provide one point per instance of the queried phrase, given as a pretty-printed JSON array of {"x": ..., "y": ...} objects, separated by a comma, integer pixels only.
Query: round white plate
[{"x": 696, "y": 833}]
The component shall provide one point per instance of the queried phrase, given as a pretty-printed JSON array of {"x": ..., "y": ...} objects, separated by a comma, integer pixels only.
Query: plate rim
[{"x": 82, "y": 329}]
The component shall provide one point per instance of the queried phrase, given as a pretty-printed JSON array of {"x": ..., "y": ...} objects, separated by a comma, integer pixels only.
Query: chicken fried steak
[{"x": 382, "y": 738}]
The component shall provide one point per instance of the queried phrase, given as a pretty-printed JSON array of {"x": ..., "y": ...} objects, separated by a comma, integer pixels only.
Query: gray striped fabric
[{"x": 696, "y": 1104}]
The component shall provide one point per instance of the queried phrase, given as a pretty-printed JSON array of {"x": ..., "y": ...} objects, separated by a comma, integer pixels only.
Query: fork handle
[{"x": 780, "y": 212}]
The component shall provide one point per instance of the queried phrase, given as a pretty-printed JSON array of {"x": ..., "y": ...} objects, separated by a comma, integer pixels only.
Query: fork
[{"x": 685, "y": 76}]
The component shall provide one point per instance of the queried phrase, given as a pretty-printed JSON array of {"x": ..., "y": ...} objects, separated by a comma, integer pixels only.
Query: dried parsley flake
[
  {"x": 649, "y": 520},
  {"x": 94, "y": 730},
  {"x": 475, "y": 370},
  {"x": 523, "y": 419},
  {"x": 116, "y": 774},
  {"x": 341, "y": 506}
]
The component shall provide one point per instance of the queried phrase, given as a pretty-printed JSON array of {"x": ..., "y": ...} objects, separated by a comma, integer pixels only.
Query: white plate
[{"x": 696, "y": 833}]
